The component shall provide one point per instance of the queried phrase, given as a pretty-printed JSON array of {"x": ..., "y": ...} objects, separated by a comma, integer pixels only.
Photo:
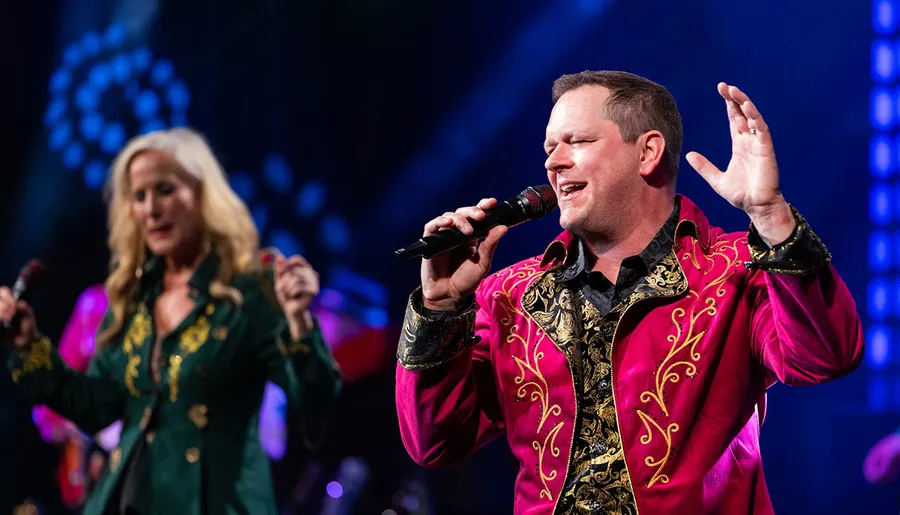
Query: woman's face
[{"x": 165, "y": 203}]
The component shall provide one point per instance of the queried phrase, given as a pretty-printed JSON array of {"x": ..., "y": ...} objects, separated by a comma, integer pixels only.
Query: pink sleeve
[
  {"x": 805, "y": 326},
  {"x": 445, "y": 391}
]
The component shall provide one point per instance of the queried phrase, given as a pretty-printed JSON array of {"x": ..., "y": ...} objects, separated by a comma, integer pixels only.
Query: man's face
[{"x": 592, "y": 170}]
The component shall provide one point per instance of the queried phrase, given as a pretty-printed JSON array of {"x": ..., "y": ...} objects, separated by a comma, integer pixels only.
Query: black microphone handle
[{"x": 504, "y": 213}]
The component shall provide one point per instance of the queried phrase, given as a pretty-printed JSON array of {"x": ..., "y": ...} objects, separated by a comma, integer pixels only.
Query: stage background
[{"x": 347, "y": 124}]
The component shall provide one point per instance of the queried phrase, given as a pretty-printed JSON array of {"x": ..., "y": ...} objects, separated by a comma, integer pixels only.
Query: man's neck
[{"x": 608, "y": 254}]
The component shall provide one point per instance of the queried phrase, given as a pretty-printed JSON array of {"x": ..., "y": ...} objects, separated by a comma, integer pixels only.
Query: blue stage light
[
  {"x": 881, "y": 159},
  {"x": 278, "y": 173},
  {"x": 73, "y": 155},
  {"x": 879, "y": 299},
  {"x": 162, "y": 72},
  {"x": 94, "y": 175},
  {"x": 146, "y": 105},
  {"x": 55, "y": 112},
  {"x": 878, "y": 346},
  {"x": 310, "y": 198},
  {"x": 334, "y": 233},
  {"x": 882, "y": 109},
  {"x": 879, "y": 251},
  {"x": 884, "y": 16},
  {"x": 884, "y": 62},
  {"x": 113, "y": 138},
  {"x": 91, "y": 126}
]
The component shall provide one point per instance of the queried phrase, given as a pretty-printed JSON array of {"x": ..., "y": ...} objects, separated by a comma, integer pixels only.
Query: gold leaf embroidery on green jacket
[
  {"x": 174, "y": 370},
  {"x": 131, "y": 374},
  {"x": 189, "y": 342},
  {"x": 139, "y": 330},
  {"x": 194, "y": 336},
  {"x": 38, "y": 358}
]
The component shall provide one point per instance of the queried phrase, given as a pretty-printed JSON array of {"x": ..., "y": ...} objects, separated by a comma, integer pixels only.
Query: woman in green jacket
[{"x": 196, "y": 325}]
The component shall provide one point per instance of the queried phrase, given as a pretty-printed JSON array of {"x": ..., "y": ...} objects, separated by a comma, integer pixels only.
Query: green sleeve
[
  {"x": 305, "y": 369},
  {"x": 92, "y": 401}
]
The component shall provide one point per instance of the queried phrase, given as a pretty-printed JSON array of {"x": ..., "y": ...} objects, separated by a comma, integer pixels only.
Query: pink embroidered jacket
[{"x": 690, "y": 367}]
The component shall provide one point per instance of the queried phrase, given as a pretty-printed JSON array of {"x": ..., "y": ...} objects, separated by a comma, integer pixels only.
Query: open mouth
[
  {"x": 160, "y": 231},
  {"x": 571, "y": 189}
]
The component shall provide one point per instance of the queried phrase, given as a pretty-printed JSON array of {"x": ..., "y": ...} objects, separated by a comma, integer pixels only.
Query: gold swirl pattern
[
  {"x": 802, "y": 253},
  {"x": 138, "y": 333},
  {"x": 39, "y": 356},
  {"x": 600, "y": 480},
  {"x": 192, "y": 338},
  {"x": 139, "y": 330},
  {"x": 189, "y": 341},
  {"x": 174, "y": 370},
  {"x": 549, "y": 443},
  {"x": 131, "y": 374},
  {"x": 426, "y": 342},
  {"x": 683, "y": 355},
  {"x": 532, "y": 384}
]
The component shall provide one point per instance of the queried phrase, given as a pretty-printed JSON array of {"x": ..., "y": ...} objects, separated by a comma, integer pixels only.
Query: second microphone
[{"x": 533, "y": 203}]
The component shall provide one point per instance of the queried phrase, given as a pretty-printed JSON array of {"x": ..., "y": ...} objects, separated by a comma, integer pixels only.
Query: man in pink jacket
[{"x": 628, "y": 364}]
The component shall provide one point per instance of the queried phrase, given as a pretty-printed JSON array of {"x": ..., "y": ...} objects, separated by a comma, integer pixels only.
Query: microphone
[
  {"x": 533, "y": 203},
  {"x": 29, "y": 278}
]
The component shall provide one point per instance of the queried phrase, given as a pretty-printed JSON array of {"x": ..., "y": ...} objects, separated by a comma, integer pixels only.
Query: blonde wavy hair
[{"x": 230, "y": 231}]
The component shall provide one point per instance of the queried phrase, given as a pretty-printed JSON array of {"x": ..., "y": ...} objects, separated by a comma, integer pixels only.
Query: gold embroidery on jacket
[
  {"x": 38, "y": 357},
  {"x": 131, "y": 374},
  {"x": 531, "y": 381},
  {"x": 683, "y": 354},
  {"x": 139, "y": 329},
  {"x": 138, "y": 332},
  {"x": 192, "y": 338},
  {"x": 174, "y": 370},
  {"x": 603, "y": 482},
  {"x": 189, "y": 341},
  {"x": 426, "y": 342}
]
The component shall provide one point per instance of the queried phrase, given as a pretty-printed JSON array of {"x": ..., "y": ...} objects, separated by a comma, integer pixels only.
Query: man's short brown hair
[{"x": 636, "y": 105}]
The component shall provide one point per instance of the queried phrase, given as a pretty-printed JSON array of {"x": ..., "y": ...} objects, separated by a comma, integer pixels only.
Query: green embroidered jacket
[{"x": 199, "y": 415}]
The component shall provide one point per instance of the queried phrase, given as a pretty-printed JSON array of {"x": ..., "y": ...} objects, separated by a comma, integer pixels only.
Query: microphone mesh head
[
  {"x": 33, "y": 273},
  {"x": 539, "y": 200}
]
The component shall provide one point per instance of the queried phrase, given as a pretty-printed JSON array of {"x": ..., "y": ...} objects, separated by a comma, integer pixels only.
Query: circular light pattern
[
  {"x": 278, "y": 173},
  {"x": 334, "y": 233},
  {"x": 310, "y": 198},
  {"x": 883, "y": 291},
  {"x": 103, "y": 76}
]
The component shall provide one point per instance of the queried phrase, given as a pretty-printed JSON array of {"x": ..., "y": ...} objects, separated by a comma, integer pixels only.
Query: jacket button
[
  {"x": 192, "y": 455},
  {"x": 198, "y": 415}
]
